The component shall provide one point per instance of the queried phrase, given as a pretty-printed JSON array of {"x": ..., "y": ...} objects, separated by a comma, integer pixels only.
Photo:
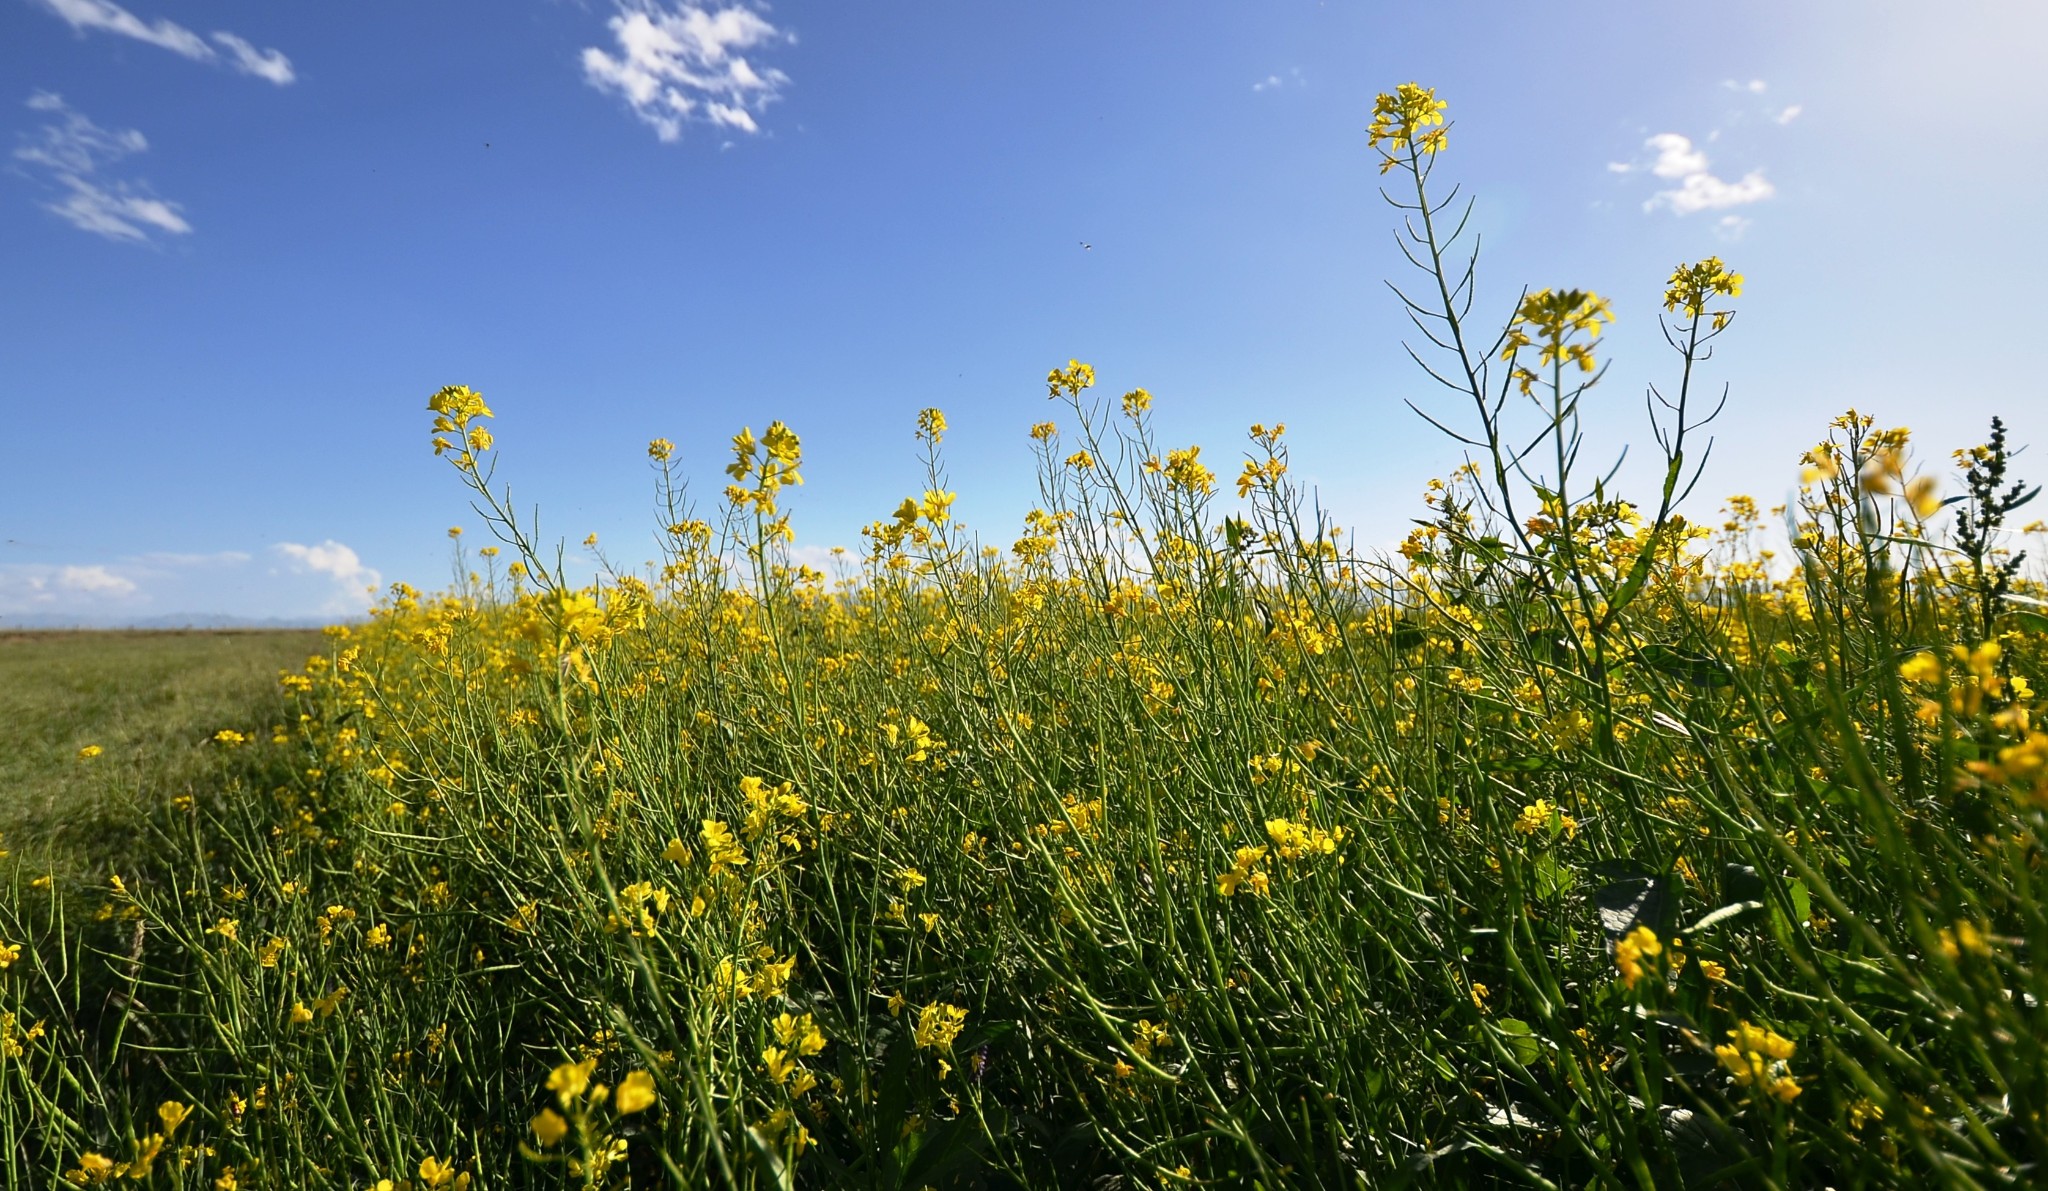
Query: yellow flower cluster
[
  {"x": 1398, "y": 117},
  {"x": 1756, "y": 1056},
  {"x": 1635, "y": 953}
]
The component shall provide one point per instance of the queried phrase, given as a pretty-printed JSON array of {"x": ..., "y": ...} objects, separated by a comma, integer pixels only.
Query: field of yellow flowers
[{"x": 1579, "y": 844}]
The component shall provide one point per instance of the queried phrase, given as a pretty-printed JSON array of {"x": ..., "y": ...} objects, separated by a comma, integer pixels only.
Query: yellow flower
[
  {"x": 660, "y": 449},
  {"x": 89, "y": 752},
  {"x": 327, "y": 1005},
  {"x": 300, "y": 1014},
  {"x": 435, "y": 1172},
  {"x": 1184, "y": 470},
  {"x": 1136, "y": 401},
  {"x": 1538, "y": 816},
  {"x": 1070, "y": 380},
  {"x": 271, "y": 951},
  {"x": 172, "y": 1114},
  {"x": 226, "y": 928},
  {"x": 937, "y": 1025},
  {"x": 635, "y": 1093},
  {"x": 92, "y": 1168},
  {"x": 1634, "y": 948},
  {"x": 1295, "y": 841},
  {"x": 1924, "y": 494},
  {"x": 777, "y": 1063},
  {"x": 548, "y": 1126},
  {"x": 1147, "y": 1037},
  {"x": 931, "y": 425},
  {"x": 772, "y": 977},
  {"x": 568, "y": 1080},
  {"x": 1398, "y": 117},
  {"x": 724, "y": 850},
  {"x": 1244, "y": 873},
  {"x": 1757, "y": 1057},
  {"x": 799, "y": 1032},
  {"x": 1922, "y": 667},
  {"x": 1693, "y": 286},
  {"x": 1550, "y": 318},
  {"x": 9, "y": 952}
]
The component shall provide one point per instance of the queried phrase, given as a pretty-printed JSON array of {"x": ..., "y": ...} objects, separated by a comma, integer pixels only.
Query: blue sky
[{"x": 242, "y": 242}]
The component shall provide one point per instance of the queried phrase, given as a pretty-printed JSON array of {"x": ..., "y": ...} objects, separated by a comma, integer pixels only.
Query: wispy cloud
[
  {"x": 680, "y": 63},
  {"x": 94, "y": 580},
  {"x": 42, "y": 588},
  {"x": 1274, "y": 82},
  {"x": 270, "y": 65},
  {"x": 1788, "y": 115},
  {"x": 69, "y": 154},
  {"x": 323, "y": 580},
  {"x": 1676, "y": 158},
  {"x": 353, "y": 581},
  {"x": 104, "y": 16}
]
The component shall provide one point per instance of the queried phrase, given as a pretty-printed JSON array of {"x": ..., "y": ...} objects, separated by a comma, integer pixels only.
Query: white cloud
[
  {"x": 1753, "y": 86},
  {"x": 1274, "y": 81},
  {"x": 107, "y": 17},
  {"x": 1698, "y": 189},
  {"x": 1705, "y": 192},
  {"x": 1731, "y": 227},
  {"x": 70, "y": 154},
  {"x": 353, "y": 581},
  {"x": 1676, "y": 156},
  {"x": 94, "y": 580},
  {"x": 678, "y": 62},
  {"x": 42, "y": 589},
  {"x": 116, "y": 213},
  {"x": 323, "y": 581},
  {"x": 1789, "y": 114},
  {"x": 270, "y": 65}
]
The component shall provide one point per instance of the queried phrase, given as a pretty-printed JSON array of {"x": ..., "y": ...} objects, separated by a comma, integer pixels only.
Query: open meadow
[
  {"x": 147, "y": 701},
  {"x": 1176, "y": 842}
]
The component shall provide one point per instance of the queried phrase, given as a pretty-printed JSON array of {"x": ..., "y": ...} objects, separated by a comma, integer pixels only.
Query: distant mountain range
[{"x": 176, "y": 620}]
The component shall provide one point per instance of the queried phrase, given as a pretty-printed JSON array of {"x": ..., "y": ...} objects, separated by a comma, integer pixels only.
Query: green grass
[{"x": 149, "y": 699}]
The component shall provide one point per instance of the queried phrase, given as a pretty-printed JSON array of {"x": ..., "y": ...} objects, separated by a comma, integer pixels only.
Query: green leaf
[
  {"x": 1802, "y": 901},
  {"x": 1553, "y": 878},
  {"x": 2033, "y": 622},
  {"x": 1520, "y": 1039}
]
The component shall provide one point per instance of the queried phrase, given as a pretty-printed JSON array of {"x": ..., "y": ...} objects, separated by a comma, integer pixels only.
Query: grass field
[
  {"x": 1176, "y": 843},
  {"x": 149, "y": 700}
]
